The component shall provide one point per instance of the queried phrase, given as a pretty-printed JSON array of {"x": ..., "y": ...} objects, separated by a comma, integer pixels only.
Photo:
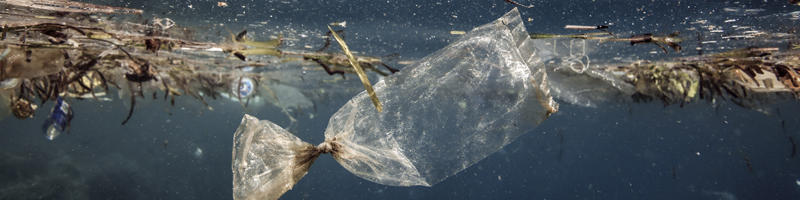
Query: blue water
[{"x": 616, "y": 151}]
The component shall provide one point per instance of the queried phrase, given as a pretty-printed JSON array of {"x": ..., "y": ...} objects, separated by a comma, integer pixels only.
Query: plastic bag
[
  {"x": 441, "y": 115},
  {"x": 573, "y": 77}
]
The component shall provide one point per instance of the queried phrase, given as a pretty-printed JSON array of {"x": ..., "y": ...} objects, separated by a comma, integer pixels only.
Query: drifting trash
[
  {"x": 512, "y": 2},
  {"x": 244, "y": 87},
  {"x": 343, "y": 24},
  {"x": 40, "y": 61},
  {"x": 360, "y": 71},
  {"x": 59, "y": 120},
  {"x": 441, "y": 115},
  {"x": 752, "y": 78},
  {"x": 585, "y": 27},
  {"x": 672, "y": 40},
  {"x": 71, "y": 6},
  {"x": 454, "y": 32}
]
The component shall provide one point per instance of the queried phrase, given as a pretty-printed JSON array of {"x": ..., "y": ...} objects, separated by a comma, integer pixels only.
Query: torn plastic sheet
[{"x": 441, "y": 115}]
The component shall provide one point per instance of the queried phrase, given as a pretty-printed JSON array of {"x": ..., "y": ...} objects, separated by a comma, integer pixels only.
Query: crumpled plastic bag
[{"x": 441, "y": 115}]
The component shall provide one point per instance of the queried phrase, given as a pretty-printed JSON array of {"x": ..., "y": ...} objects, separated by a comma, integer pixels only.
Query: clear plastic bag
[
  {"x": 573, "y": 77},
  {"x": 441, "y": 115}
]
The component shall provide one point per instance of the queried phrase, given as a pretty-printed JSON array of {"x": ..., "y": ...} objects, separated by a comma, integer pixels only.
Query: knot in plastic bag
[{"x": 328, "y": 147}]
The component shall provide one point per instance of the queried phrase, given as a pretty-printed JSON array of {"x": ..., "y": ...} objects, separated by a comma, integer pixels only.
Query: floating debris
[
  {"x": 59, "y": 120},
  {"x": 70, "y": 6},
  {"x": 44, "y": 58},
  {"x": 359, "y": 70},
  {"x": 457, "y": 32},
  {"x": 672, "y": 40},
  {"x": 338, "y": 63},
  {"x": 742, "y": 11},
  {"x": 23, "y": 109},
  {"x": 342, "y": 24},
  {"x": 584, "y": 27},
  {"x": 244, "y": 88},
  {"x": 402, "y": 146},
  {"x": 518, "y": 4}
]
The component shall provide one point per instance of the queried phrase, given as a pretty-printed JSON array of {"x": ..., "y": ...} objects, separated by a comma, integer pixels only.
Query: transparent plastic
[{"x": 441, "y": 115}]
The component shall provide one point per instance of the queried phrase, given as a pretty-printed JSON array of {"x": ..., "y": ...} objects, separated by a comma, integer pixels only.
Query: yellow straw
[{"x": 359, "y": 71}]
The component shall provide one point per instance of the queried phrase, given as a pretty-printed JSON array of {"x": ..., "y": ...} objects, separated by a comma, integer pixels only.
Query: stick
[{"x": 359, "y": 71}]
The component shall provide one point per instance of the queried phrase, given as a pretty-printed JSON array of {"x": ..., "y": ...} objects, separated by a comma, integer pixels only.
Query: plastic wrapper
[
  {"x": 441, "y": 115},
  {"x": 590, "y": 87},
  {"x": 573, "y": 77}
]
